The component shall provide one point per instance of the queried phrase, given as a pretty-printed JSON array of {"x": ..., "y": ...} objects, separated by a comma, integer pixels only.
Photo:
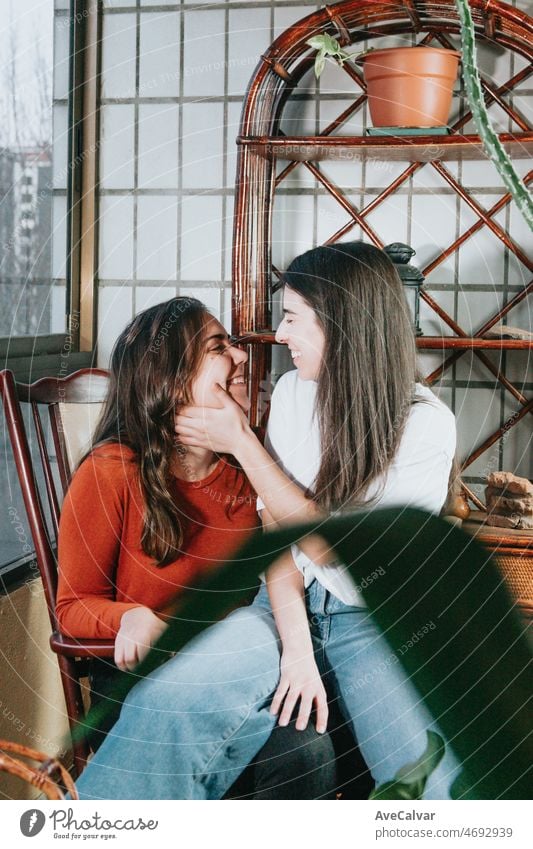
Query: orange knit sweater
[{"x": 102, "y": 569}]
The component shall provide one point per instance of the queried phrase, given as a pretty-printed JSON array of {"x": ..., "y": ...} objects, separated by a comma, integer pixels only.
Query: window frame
[
  {"x": 32, "y": 357},
  {"x": 59, "y": 354}
]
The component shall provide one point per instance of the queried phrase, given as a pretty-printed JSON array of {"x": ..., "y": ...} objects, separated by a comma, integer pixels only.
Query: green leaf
[
  {"x": 410, "y": 781},
  {"x": 316, "y": 42},
  {"x": 422, "y": 768},
  {"x": 320, "y": 63},
  {"x": 331, "y": 45},
  {"x": 326, "y": 43},
  {"x": 328, "y": 46},
  {"x": 492, "y": 144},
  {"x": 462, "y": 788},
  {"x": 444, "y": 610},
  {"x": 392, "y": 790}
]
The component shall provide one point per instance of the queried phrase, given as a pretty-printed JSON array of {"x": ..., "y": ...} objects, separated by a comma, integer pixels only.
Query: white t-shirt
[{"x": 417, "y": 477}]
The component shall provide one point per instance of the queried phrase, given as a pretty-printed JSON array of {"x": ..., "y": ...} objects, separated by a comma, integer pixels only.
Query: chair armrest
[{"x": 71, "y": 647}]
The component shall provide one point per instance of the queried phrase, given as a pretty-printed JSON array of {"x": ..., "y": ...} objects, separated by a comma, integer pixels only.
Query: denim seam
[{"x": 230, "y": 735}]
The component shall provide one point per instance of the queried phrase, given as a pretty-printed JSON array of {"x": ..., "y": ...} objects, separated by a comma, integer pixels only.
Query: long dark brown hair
[
  {"x": 367, "y": 377},
  {"x": 153, "y": 363}
]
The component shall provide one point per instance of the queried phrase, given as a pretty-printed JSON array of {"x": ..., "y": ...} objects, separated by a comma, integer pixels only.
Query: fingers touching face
[{"x": 223, "y": 364}]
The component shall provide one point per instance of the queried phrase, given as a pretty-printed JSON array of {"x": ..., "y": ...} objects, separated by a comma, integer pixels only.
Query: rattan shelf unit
[
  {"x": 263, "y": 146},
  {"x": 264, "y": 149},
  {"x": 431, "y": 343},
  {"x": 392, "y": 148}
]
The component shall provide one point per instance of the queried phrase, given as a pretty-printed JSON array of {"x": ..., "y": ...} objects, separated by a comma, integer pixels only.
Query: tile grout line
[{"x": 136, "y": 154}]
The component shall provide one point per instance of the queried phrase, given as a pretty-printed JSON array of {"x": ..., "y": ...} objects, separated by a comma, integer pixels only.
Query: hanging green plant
[
  {"x": 328, "y": 46},
  {"x": 492, "y": 144}
]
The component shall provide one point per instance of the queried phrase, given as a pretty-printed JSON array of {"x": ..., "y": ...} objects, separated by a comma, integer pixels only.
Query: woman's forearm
[
  {"x": 284, "y": 500},
  {"x": 222, "y": 430},
  {"x": 300, "y": 689},
  {"x": 286, "y": 592}
]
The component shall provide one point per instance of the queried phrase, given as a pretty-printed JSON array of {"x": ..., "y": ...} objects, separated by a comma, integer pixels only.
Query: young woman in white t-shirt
[{"x": 350, "y": 428}]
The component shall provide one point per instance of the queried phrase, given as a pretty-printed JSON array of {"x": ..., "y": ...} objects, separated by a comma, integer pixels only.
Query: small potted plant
[{"x": 406, "y": 86}]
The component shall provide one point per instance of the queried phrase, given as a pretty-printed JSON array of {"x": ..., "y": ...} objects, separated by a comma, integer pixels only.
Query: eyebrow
[
  {"x": 288, "y": 312},
  {"x": 223, "y": 336}
]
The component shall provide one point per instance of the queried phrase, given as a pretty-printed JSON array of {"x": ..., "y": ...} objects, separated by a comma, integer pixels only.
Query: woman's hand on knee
[
  {"x": 139, "y": 629},
  {"x": 300, "y": 682}
]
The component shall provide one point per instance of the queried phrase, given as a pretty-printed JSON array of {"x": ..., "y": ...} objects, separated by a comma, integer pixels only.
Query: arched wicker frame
[{"x": 260, "y": 141}]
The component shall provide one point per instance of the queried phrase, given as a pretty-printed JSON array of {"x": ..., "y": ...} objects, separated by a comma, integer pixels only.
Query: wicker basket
[
  {"x": 518, "y": 573},
  {"x": 514, "y": 555},
  {"x": 38, "y": 776}
]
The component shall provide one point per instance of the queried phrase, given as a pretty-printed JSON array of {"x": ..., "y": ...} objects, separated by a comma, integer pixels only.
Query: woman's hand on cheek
[
  {"x": 214, "y": 428},
  {"x": 139, "y": 629}
]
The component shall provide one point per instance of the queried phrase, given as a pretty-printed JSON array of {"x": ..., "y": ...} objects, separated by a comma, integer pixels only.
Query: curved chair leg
[{"x": 75, "y": 710}]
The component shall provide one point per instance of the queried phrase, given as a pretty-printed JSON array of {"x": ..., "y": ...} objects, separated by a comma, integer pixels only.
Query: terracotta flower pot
[{"x": 410, "y": 86}]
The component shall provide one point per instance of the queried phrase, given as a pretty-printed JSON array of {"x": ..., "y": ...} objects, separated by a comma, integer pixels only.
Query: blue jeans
[{"x": 189, "y": 729}]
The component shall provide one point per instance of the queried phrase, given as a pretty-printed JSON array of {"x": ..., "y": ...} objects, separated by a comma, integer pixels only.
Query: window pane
[
  {"x": 16, "y": 542},
  {"x": 33, "y": 166}
]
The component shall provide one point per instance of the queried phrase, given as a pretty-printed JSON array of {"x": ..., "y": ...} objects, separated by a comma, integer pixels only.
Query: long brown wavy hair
[
  {"x": 153, "y": 363},
  {"x": 367, "y": 378}
]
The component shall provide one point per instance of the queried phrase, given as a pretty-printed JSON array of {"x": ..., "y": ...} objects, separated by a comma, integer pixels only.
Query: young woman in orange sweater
[{"x": 145, "y": 517}]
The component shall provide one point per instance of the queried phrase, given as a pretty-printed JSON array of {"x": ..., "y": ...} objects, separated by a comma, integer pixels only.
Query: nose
[
  {"x": 238, "y": 355},
  {"x": 281, "y": 335}
]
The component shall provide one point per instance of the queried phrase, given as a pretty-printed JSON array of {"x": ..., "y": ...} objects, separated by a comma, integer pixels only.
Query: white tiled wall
[
  {"x": 157, "y": 238},
  {"x": 173, "y": 82},
  {"x": 201, "y": 238},
  {"x": 159, "y": 54},
  {"x": 117, "y": 157},
  {"x": 204, "y": 53},
  {"x": 150, "y": 296},
  {"x": 203, "y": 145},
  {"x": 119, "y": 56},
  {"x": 116, "y": 238},
  {"x": 115, "y": 308},
  {"x": 158, "y": 146}
]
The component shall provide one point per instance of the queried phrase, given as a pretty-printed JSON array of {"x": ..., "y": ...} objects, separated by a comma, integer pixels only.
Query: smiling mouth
[
  {"x": 239, "y": 379},
  {"x": 295, "y": 354}
]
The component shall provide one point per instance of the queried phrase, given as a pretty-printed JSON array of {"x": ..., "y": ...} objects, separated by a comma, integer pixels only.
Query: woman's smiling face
[
  {"x": 222, "y": 364},
  {"x": 301, "y": 331}
]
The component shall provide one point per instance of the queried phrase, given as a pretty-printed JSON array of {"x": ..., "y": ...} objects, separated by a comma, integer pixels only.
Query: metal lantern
[{"x": 411, "y": 277}]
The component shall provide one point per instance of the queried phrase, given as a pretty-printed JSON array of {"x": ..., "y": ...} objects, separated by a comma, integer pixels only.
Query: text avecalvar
[{"x": 404, "y": 815}]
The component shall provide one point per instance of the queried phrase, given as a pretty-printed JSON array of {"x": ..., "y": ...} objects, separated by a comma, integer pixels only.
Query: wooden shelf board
[
  {"x": 434, "y": 343},
  {"x": 497, "y": 538},
  {"x": 386, "y": 148},
  {"x": 444, "y": 342}
]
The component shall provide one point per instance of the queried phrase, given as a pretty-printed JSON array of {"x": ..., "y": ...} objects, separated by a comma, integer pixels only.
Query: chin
[
  {"x": 305, "y": 375},
  {"x": 240, "y": 396}
]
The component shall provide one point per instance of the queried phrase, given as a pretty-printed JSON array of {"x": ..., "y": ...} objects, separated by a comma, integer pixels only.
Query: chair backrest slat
[
  {"x": 73, "y": 403},
  {"x": 56, "y": 425},
  {"x": 88, "y": 386},
  {"x": 49, "y": 481},
  {"x": 30, "y": 492}
]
